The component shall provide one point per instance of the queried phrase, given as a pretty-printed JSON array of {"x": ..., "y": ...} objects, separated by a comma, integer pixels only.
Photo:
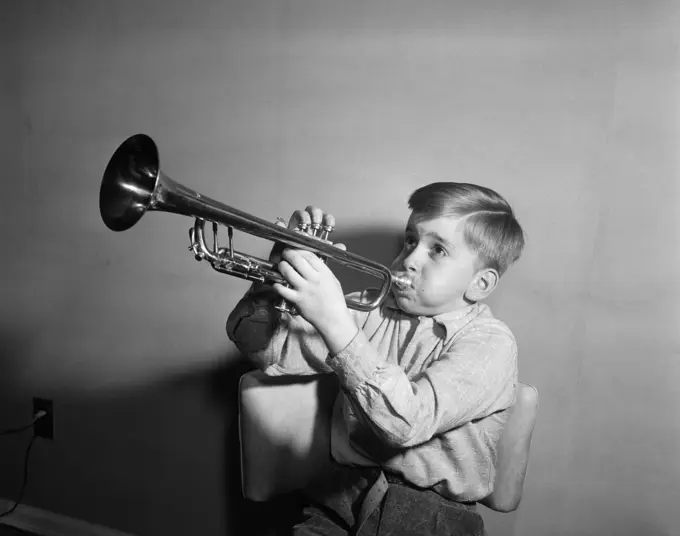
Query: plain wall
[{"x": 568, "y": 109}]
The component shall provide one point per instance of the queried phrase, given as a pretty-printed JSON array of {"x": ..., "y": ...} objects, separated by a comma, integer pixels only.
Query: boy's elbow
[
  {"x": 401, "y": 438},
  {"x": 252, "y": 339},
  {"x": 411, "y": 434},
  {"x": 409, "y": 441},
  {"x": 236, "y": 318}
]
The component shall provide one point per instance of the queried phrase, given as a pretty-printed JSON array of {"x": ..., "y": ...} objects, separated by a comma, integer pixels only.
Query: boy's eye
[
  {"x": 439, "y": 251},
  {"x": 409, "y": 241}
]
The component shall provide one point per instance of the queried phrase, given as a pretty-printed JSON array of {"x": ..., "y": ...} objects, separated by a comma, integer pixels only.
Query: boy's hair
[{"x": 490, "y": 227}]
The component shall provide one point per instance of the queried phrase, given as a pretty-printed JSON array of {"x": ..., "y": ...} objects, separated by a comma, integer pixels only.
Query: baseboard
[{"x": 47, "y": 523}]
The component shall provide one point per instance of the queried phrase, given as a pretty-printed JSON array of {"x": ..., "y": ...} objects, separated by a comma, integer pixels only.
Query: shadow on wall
[{"x": 14, "y": 343}]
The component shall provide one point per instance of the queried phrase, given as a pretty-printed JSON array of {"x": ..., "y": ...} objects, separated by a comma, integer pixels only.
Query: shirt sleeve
[{"x": 473, "y": 378}]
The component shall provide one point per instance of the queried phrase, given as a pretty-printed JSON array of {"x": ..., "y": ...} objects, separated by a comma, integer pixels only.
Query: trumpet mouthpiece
[{"x": 401, "y": 280}]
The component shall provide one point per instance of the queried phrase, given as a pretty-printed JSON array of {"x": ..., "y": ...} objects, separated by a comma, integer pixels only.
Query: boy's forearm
[
  {"x": 464, "y": 384},
  {"x": 338, "y": 334}
]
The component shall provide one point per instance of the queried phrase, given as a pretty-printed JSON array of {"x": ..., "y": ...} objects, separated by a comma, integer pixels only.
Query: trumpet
[{"x": 133, "y": 184}]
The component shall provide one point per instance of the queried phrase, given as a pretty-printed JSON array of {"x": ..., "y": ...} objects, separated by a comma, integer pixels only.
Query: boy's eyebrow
[{"x": 441, "y": 239}]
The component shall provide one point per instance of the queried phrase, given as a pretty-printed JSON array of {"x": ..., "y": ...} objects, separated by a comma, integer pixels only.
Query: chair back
[{"x": 284, "y": 427}]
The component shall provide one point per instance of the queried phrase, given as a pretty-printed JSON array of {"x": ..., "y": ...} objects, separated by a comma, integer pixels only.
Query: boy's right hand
[{"x": 308, "y": 219}]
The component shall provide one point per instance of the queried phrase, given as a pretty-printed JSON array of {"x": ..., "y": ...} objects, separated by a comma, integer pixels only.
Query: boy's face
[{"x": 440, "y": 264}]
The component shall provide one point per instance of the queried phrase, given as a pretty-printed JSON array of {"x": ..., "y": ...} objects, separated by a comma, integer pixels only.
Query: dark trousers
[{"x": 404, "y": 511}]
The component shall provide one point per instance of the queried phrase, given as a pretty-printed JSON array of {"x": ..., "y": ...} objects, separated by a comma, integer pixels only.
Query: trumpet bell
[
  {"x": 129, "y": 182},
  {"x": 134, "y": 184}
]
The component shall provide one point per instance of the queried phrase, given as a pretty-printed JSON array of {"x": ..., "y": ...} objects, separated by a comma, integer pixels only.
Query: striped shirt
[{"x": 423, "y": 397}]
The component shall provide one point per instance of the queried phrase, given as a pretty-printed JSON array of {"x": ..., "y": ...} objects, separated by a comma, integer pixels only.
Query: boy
[{"x": 426, "y": 379}]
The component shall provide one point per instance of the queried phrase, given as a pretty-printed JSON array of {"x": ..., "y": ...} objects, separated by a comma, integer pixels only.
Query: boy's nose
[{"x": 411, "y": 261}]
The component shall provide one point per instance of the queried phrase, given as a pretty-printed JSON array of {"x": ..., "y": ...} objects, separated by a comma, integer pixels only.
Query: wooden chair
[{"x": 284, "y": 426}]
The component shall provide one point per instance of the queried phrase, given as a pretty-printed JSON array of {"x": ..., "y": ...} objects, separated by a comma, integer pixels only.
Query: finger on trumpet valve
[
  {"x": 327, "y": 230},
  {"x": 315, "y": 215},
  {"x": 314, "y": 228},
  {"x": 300, "y": 220},
  {"x": 328, "y": 225}
]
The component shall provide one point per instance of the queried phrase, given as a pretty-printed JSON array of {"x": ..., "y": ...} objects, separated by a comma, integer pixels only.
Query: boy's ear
[{"x": 483, "y": 283}]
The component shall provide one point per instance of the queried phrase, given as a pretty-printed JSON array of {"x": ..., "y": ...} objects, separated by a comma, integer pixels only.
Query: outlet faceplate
[{"x": 44, "y": 427}]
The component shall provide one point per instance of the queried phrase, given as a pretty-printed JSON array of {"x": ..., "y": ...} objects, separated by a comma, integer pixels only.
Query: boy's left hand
[{"x": 314, "y": 289}]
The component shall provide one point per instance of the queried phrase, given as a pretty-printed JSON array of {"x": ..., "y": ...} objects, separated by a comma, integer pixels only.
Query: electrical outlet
[{"x": 43, "y": 427}]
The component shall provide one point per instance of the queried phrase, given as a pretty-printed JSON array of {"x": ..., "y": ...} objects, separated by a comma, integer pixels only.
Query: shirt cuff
[{"x": 356, "y": 363}]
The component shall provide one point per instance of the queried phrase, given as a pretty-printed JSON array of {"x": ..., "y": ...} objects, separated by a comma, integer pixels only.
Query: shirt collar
[{"x": 451, "y": 321}]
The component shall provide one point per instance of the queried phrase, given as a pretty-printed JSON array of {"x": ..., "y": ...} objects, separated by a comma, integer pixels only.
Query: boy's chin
[
  {"x": 409, "y": 306},
  {"x": 413, "y": 307}
]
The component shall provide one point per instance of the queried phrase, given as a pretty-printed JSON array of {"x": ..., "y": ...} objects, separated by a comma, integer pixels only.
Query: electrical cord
[
  {"x": 39, "y": 415},
  {"x": 23, "y": 484}
]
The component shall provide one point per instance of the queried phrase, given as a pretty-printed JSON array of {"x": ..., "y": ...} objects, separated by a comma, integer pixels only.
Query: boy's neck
[{"x": 451, "y": 310}]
